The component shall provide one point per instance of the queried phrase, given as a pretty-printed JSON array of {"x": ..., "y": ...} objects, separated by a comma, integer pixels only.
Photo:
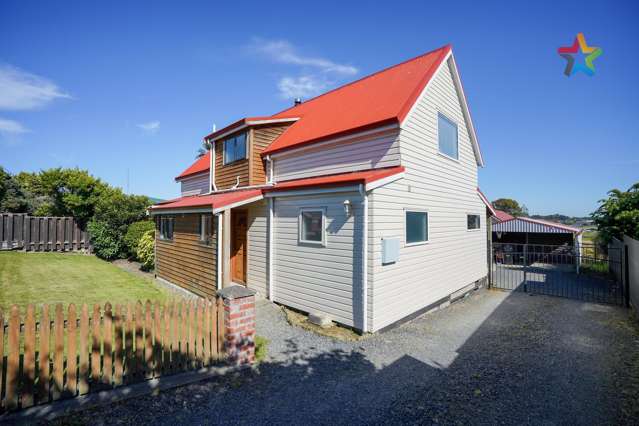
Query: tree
[
  {"x": 63, "y": 192},
  {"x": 206, "y": 145},
  {"x": 510, "y": 206},
  {"x": 618, "y": 215},
  {"x": 12, "y": 196}
]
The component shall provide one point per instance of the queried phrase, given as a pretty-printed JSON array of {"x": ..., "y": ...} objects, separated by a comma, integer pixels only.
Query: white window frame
[
  {"x": 204, "y": 237},
  {"x": 473, "y": 229},
  {"x": 417, "y": 243},
  {"x": 300, "y": 225},
  {"x": 453, "y": 122},
  {"x": 164, "y": 220},
  {"x": 246, "y": 142}
]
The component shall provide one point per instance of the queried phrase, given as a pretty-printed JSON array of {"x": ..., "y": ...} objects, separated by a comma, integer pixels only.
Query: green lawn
[{"x": 69, "y": 278}]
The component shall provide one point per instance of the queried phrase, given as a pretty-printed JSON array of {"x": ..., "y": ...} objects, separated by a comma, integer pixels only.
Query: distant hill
[
  {"x": 155, "y": 200},
  {"x": 566, "y": 220}
]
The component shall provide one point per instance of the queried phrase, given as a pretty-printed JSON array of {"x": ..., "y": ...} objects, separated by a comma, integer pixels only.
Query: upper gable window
[
  {"x": 235, "y": 148},
  {"x": 447, "y": 135}
]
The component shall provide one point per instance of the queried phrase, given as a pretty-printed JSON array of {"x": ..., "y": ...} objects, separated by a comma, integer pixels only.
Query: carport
[
  {"x": 523, "y": 230},
  {"x": 542, "y": 257}
]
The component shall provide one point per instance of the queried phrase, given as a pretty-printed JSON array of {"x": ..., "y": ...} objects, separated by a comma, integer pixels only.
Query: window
[
  {"x": 166, "y": 227},
  {"x": 312, "y": 226},
  {"x": 206, "y": 228},
  {"x": 447, "y": 134},
  {"x": 473, "y": 221},
  {"x": 416, "y": 227},
  {"x": 235, "y": 148}
]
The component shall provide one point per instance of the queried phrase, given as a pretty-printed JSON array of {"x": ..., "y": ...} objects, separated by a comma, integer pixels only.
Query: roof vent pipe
[{"x": 298, "y": 101}]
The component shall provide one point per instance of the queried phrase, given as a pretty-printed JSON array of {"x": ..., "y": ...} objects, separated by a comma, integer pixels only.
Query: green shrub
[
  {"x": 107, "y": 243},
  {"x": 134, "y": 234},
  {"x": 146, "y": 250}
]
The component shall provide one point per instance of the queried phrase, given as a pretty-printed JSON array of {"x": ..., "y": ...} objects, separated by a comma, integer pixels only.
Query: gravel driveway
[{"x": 494, "y": 358}]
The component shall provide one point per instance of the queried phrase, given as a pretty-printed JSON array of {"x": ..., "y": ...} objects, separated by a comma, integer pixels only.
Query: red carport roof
[
  {"x": 217, "y": 202},
  {"x": 503, "y": 216},
  {"x": 200, "y": 165},
  {"x": 364, "y": 176}
]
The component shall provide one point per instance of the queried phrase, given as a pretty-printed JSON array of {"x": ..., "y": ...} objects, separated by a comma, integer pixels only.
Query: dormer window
[{"x": 235, "y": 148}]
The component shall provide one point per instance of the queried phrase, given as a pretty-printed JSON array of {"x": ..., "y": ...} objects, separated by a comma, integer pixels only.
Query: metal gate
[{"x": 583, "y": 273}]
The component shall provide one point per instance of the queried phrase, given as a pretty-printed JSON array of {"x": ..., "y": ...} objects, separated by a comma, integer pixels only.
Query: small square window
[
  {"x": 166, "y": 227},
  {"x": 447, "y": 136},
  {"x": 473, "y": 221},
  {"x": 312, "y": 226},
  {"x": 235, "y": 148},
  {"x": 416, "y": 227},
  {"x": 206, "y": 228}
]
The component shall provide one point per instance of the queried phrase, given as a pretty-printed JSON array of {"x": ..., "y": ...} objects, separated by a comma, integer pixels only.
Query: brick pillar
[{"x": 239, "y": 324}]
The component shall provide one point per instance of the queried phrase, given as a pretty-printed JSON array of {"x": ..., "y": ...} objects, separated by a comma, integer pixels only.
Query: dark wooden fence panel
[{"x": 36, "y": 233}]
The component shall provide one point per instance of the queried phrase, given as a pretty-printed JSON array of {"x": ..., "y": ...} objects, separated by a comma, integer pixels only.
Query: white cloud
[
  {"x": 12, "y": 127},
  {"x": 317, "y": 74},
  {"x": 150, "y": 127},
  {"x": 20, "y": 90},
  {"x": 284, "y": 52},
  {"x": 302, "y": 87}
]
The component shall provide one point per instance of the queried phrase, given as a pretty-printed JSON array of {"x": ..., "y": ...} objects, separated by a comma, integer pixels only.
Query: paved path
[{"x": 494, "y": 358}]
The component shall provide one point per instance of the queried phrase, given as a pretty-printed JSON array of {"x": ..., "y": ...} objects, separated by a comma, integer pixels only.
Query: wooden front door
[{"x": 239, "y": 221}]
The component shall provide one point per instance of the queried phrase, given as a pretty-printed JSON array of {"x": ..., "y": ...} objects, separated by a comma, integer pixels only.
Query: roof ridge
[{"x": 446, "y": 46}]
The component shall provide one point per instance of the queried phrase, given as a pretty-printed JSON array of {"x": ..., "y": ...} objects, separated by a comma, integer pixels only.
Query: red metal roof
[
  {"x": 200, "y": 165},
  {"x": 364, "y": 176},
  {"x": 215, "y": 201},
  {"x": 503, "y": 216},
  {"x": 381, "y": 98},
  {"x": 223, "y": 199}
]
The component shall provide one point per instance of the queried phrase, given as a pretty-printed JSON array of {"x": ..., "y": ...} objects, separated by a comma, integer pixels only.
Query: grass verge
[{"x": 53, "y": 278}]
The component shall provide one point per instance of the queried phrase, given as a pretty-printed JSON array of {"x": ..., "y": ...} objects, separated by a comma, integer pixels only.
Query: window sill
[
  {"x": 441, "y": 154},
  {"x": 420, "y": 243},
  {"x": 312, "y": 243},
  {"x": 473, "y": 230},
  {"x": 234, "y": 162}
]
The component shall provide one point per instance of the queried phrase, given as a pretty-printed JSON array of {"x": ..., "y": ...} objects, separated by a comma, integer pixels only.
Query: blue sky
[{"x": 133, "y": 86}]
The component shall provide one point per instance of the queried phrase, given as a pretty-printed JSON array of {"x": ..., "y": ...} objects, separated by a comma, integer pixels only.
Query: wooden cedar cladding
[
  {"x": 186, "y": 261},
  {"x": 261, "y": 138},
  {"x": 251, "y": 170}
]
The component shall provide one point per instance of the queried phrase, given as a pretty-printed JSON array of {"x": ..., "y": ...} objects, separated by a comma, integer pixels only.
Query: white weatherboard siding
[
  {"x": 257, "y": 254},
  {"x": 195, "y": 185},
  {"x": 315, "y": 278},
  {"x": 454, "y": 257},
  {"x": 376, "y": 150}
]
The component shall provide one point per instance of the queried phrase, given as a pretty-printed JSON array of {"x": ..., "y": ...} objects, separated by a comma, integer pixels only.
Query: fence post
[
  {"x": 626, "y": 278},
  {"x": 525, "y": 267},
  {"x": 239, "y": 324}
]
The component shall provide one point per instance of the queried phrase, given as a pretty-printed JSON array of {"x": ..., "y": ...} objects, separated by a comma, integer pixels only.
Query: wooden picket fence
[
  {"x": 54, "y": 356},
  {"x": 35, "y": 233}
]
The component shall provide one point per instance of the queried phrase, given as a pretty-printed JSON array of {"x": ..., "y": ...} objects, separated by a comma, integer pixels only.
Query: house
[{"x": 361, "y": 203}]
